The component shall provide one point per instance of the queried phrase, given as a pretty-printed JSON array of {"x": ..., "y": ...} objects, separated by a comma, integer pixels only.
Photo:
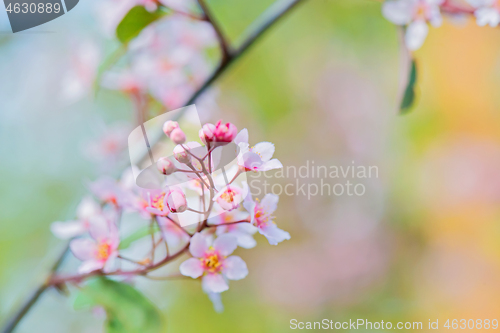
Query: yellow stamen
[
  {"x": 158, "y": 202},
  {"x": 212, "y": 261},
  {"x": 103, "y": 251}
]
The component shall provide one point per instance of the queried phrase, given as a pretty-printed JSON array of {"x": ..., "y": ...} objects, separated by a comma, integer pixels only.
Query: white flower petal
[
  {"x": 199, "y": 245},
  {"x": 415, "y": 35},
  {"x": 271, "y": 165},
  {"x": 87, "y": 208},
  {"x": 90, "y": 266},
  {"x": 398, "y": 12},
  {"x": 434, "y": 2},
  {"x": 225, "y": 244},
  {"x": 252, "y": 161},
  {"x": 235, "y": 268},
  {"x": 99, "y": 228},
  {"x": 83, "y": 249},
  {"x": 214, "y": 283},
  {"x": 191, "y": 267},
  {"x": 249, "y": 205},
  {"x": 67, "y": 230},
  {"x": 241, "y": 137},
  {"x": 216, "y": 301},
  {"x": 245, "y": 241},
  {"x": 486, "y": 16},
  {"x": 274, "y": 234},
  {"x": 246, "y": 228},
  {"x": 434, "y": 16},
  {"x": 265, "y": 150},
  {"x": 270, "y": 203}
]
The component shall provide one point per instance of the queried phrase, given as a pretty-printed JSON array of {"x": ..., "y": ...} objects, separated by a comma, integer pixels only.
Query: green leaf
[
  {"x": 138, "y": 234},
  {"x": 135, "y": 21},
  {"x": 409, "y": 95},
  {"x": 128, "y": 311}
]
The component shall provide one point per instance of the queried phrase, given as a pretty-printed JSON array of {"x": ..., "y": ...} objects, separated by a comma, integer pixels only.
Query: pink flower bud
[
  {"x": 178, "y": 136},
  {"x": 169, "y": 126},
  {"x": 225, "y": 132},
  {"x": 207, "y": 133},
  {"x": 165, "y": 166},
  {"x": 181, "y": 155},
  {"x": 176, "y": 200}
]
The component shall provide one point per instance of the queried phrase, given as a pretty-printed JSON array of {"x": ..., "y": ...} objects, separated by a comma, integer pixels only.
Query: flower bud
[
  {"x": 178, "y": 136},
  {"x": 181, "y": 155},
  {"x": 165, "y": 166},
  {"x": 176, "y": 200},
  {"x": 225, "y": 132},
  {"x": 207, "y": 133},
  {"x": 169, "y": 126}
]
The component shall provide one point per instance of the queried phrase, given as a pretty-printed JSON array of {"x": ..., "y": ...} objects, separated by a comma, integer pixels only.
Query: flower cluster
[
  {"x": 416, "y": 15},
  {"x": 228, "y": 215},
  {"x": 167, "y": 61}
]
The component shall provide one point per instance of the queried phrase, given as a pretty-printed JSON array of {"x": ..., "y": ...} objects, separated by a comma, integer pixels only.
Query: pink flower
[
  {"x": 108, "y": 148},
  {"x": 165, "y": 166},
  {"x": 176, "y": 200},
  {"x": 108, "y": 191},
  {"x": 242, "y": 231},
  {"x": 157, "y": 203},
  {"x": 135, "y": 198},
  {"x": 85, "y": 212},
  {"x": 212, "y": 262},
  {"x": 178, "y": 136},
  {"x": 169, "y": 126},
  {"x": 229, "y": 197},
  {"x": 224, "y": 132},
  {"x": 261, "y": 217},
  {"x": 100, "y": 251},
  {"x": 207, "y": 133},
  {"x": 169, "y": 66},
  {"x": 414, "y": 14},
  {"x": 256, "y": 158}
]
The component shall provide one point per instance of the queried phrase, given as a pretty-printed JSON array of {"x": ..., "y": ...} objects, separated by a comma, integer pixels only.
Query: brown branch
[
  {"x": 227, "y": 223},
  {"x": 224, "y": 45}
]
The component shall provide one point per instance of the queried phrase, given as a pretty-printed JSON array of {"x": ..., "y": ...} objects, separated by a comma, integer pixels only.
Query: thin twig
[
  {"x": 227, "y": 223},
  {"x": 224, "y": 45},
  {"x": 169, "y": 277}
]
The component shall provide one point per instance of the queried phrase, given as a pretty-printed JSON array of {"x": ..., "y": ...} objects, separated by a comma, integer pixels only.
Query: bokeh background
[{"x": 422, "y": 243}]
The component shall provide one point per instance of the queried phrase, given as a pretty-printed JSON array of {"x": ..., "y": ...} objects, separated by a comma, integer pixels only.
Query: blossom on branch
[
  {"x": 229, "y": 197},
  {"x": 242, "y": 231},
  {"x": 85, "y": 212},
  {"x": 414, "y": 15},
  {"x": 100, "y": 251},
  {"x": 261, "y": 217},
  {"x": 212, "y": 262},
  {"x": 256, "y": 158},
  {"x": 487, "y": 12}
]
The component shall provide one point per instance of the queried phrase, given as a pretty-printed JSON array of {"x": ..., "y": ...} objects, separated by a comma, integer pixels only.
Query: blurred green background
[{"x": 421, "y": 244}]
